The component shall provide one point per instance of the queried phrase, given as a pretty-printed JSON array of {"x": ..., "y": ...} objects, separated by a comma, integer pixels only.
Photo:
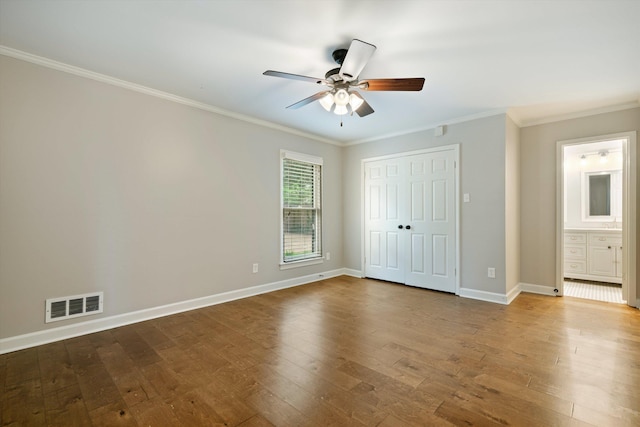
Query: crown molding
[
  {"x": 579, "y": 114},
  {"x": 462, "y": 119},
  {"x": 81, "y": 72}
]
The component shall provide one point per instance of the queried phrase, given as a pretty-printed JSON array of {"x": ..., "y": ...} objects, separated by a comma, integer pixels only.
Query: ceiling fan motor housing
[
  {"x": 333, "y": 75},
  {"x": 339, "y": 55}
]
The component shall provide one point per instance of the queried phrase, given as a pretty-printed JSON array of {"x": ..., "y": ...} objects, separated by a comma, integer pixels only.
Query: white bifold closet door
[{"x": 410, "y": 220}]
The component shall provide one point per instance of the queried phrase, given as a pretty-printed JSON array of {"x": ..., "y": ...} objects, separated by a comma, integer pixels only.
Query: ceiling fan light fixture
[
  {"x": 341, "y": 98},
  {"x": 341, "y": 110},
  {"x": 327, "y": 102},
  {"x": 355, "y": 101}
]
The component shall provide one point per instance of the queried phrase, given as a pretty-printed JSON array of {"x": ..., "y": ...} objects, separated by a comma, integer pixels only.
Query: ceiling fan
[{"x": 341, "y": 95}]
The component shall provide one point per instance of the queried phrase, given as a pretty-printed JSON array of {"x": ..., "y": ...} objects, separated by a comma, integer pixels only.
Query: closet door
[
  {"x": 384, "y": 192},
  {"x": 410, "y": 220},
  {"x": 432, "y": 218}
]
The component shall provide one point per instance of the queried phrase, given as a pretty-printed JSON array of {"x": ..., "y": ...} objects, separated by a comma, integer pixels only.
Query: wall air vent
[{"x": 69, "y": 307}]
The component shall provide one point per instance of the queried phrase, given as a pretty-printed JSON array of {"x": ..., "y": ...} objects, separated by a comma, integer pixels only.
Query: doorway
[
  {"x": 596, "y": 218},
  {"x": 411, "y": 218}
]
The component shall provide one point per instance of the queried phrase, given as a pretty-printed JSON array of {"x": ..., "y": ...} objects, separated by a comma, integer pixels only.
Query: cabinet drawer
[
  {"x": 575, "y": 238},
  {"x": 575, "y": 251},
  {"x": 575, "y": 266},
  {"x": 605, "y": 239}
]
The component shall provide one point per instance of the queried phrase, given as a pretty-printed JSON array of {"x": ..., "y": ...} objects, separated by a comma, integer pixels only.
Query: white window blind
[{"x": 301, "y": 207}]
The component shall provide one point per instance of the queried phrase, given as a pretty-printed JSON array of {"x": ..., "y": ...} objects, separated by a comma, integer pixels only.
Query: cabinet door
[{"x": 602, "y": 261}]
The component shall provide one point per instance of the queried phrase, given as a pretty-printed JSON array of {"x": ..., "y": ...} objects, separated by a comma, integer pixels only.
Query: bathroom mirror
[{"x": 602, "y": 195}]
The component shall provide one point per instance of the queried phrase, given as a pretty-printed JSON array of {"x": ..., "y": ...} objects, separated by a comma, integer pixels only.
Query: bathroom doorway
[{"x": 596, "y": 213}]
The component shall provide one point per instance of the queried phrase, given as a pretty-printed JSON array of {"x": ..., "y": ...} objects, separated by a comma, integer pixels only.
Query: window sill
[{"x": 303, "y": 263}]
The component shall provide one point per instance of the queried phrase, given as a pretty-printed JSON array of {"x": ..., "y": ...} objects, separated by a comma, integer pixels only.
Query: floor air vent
[{"x": 75, "y": 306}]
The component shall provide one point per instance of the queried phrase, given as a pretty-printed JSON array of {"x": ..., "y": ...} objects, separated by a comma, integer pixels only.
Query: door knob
[
  {"x": 408, "y": 227},
  {"x": 400, "y": 227}
]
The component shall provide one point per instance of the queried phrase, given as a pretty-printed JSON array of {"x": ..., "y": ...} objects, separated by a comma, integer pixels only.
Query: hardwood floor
[{"x": 341, "y": 352}]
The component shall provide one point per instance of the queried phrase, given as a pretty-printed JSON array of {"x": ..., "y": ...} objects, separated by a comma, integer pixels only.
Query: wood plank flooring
[{"x": 341, "y": 352}]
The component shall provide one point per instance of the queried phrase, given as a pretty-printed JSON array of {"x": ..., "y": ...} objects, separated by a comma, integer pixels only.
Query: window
[{"x": 301, "y": 207}]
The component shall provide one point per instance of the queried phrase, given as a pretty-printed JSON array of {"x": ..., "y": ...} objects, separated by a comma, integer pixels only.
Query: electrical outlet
[
  {"x": 328, "y": 256},
  {"x": 255, "y": 267},
  {"x": 491, "y": 272}
]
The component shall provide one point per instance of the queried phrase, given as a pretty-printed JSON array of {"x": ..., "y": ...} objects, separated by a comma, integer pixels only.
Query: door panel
[
  {"x": 417, "y": 254},
  {"x": 439, "y": 202},
  {"x": 393, "y": 210},
  {"x": 439, "y": 254},
  {"x": 375, "y": 240},
  {"x": 417, "y": 201},
  {"x": 393, "y": 250},
  {"x": 374, "y": 203}
]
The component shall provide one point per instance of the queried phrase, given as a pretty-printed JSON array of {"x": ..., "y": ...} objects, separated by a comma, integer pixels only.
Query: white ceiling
[{"x": 537, "y": 59}]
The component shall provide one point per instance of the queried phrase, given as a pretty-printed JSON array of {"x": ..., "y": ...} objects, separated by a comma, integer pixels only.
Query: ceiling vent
[{"x": 75, "y": 306}]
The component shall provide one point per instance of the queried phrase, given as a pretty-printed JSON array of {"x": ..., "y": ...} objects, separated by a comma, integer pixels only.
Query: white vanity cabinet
[{"x": 593, "y": 255}]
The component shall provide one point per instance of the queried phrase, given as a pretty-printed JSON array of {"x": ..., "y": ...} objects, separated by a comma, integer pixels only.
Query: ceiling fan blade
[
  {"x": 357, "y": 57},
  {"x": 308, "y": 100},
  {"x": 295, "y": 77},
  {"x": 364, "y": 109},
  {"x": 411, "y": 84}
]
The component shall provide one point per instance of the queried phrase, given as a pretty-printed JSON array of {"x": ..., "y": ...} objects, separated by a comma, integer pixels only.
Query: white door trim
[
  {"x": 629, "y": 232},
  {"x": 453, "y": 147}
]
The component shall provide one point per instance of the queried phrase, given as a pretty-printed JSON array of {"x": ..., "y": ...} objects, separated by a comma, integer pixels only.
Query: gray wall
[
  {"x": 538, "y": 186},
  {"x": 482, "y": 221},
  {"x": 150, "y": 201}
]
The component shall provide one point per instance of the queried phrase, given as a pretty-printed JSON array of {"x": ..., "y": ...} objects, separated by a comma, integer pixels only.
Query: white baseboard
[
  {"x": 537, "y": 289},
  {"x": 353, "y": 273},
  {"x": 485, "y": 296},
  {"x": 33, "y": 339},
  {"x": 509, "y": 296},
  {"x": 513, "y": 293}
]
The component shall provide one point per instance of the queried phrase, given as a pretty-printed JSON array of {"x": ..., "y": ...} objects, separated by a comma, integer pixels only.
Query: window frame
[{"x": 318, "y": 257}]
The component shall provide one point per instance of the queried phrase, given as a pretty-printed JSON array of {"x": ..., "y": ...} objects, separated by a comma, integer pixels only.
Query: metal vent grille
[
  {"x": 73, "y": 306},
  {"x": 58, "y": 309}
]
